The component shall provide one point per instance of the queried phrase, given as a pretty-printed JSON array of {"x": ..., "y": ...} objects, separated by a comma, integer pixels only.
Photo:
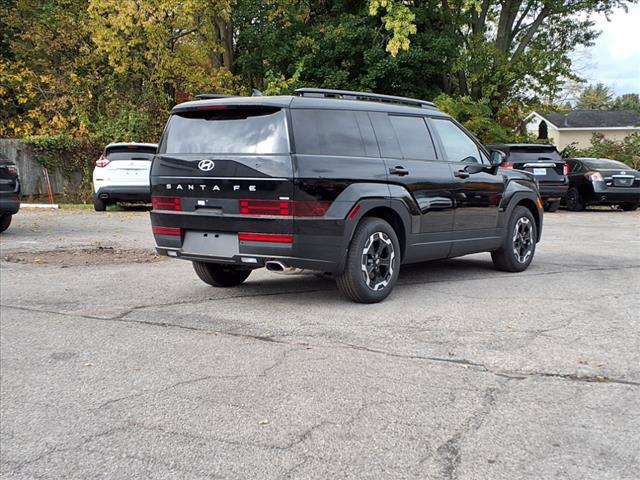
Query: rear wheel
[
  {"x": 5, "y": 221},
  {"x": 574, "y": 200},
  {"x": 99, "y": 205},
  {"x": 629, "y": 207},
  {"x": 552, "y": 206},
  {"x": 520, "y": 244},
  {"x": 220, "y": 275},
  {"x": 373, "y": 262}
]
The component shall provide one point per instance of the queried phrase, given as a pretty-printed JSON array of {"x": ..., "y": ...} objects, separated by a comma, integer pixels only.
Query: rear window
[
  {"x": 250, "y": 131},
  {"x": 533, "y": 154},
  {"x": 130, "y": 153},
  {"x": 602, "y": 164},
  {"x": 330, "y": 132}
]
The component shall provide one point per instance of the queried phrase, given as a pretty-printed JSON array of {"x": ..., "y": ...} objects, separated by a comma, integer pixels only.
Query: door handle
[
  {"x": 461, "y": 174},
  {"x": 398, "y": 170}
]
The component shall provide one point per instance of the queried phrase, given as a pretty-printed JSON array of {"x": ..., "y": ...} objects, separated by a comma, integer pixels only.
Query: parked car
[
  {"x": 599, "y": 181},
  {"x": 348, "y": 183},
  {"x": 9, "y": 191},
  {"x": 122, "y": 174},
  {"x": 545, "y": 163}
]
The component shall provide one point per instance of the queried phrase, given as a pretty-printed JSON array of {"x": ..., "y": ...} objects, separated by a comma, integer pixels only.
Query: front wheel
[
  {"x": 520, "y": 244},
  {"x": 218, "y": 275},
  {"x": 629, "y": 207},
  {"x": 373, "y": 262},
  {"x": 5, "y": 221}
]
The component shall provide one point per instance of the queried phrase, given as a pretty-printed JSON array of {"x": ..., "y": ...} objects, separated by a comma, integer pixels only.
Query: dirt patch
[{"x": 89, "y": 256}]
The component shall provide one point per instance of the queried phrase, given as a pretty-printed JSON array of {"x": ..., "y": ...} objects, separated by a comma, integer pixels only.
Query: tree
[
  {"x": 628, "y": 101},
  {"x": 595, "y": 97}
]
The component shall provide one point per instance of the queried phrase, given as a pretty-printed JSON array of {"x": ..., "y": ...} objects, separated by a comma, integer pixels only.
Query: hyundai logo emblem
[{"x": 206, "y": 165}]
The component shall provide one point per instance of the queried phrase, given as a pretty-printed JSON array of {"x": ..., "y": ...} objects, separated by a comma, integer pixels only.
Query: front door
[
  {"x": 410, "y": 157},
  {"x": 476, "y": 194}
]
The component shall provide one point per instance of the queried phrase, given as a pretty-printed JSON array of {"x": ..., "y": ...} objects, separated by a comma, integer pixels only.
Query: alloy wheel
[
  {"x": 523, "y": 239},
  {"x": 378, "y": 256}
]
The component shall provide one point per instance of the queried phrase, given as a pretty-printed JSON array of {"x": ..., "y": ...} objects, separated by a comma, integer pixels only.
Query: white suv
[{"x": 122, "y": 174}]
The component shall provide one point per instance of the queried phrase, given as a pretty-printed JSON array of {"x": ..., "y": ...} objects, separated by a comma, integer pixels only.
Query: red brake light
[
  {"x": 12, "y": 169},
  {"x": 173, "y": 204},
  {"x": 507, "y": 165},
  {"x": 102, "y": 162},
  {"x": 265, "y": 237},
  {"x": 212, "y": 107},
  {"x": 565, "y": 169},
  {"x": 265, "y": 207},
  {"x": 174, "y": 232},
  {"x": 284, "y": 208}
]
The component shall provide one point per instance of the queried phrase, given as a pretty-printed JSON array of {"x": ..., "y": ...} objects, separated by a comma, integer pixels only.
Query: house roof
[{"x": 592, "y": 119}]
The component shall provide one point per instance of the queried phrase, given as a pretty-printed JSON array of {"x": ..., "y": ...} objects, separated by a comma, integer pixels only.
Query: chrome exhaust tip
[{"x": 276, "y": 266}]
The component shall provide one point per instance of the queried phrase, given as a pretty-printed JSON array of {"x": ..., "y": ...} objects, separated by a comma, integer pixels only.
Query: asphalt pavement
[{"x": 132, "y": 368}]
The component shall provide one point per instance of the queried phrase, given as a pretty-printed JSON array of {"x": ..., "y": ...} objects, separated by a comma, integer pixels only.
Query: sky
[{"x": 615, "y": 58}]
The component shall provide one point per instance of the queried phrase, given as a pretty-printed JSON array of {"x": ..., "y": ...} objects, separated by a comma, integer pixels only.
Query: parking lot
[{"x": 119, "y": 364}]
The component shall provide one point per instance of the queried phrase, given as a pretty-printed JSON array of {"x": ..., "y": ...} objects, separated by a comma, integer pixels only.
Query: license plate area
[
  {"x": 211, "y": 244},
  {"x": 623, "y": 181},
  {"x": 539, "y": 171}
]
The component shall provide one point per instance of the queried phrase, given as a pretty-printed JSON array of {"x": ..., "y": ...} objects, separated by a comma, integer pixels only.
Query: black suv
[
  {"x": 348, "y": 183},
  {"x": 545, "y": 163},
  {"x": 9, "y": 192}
]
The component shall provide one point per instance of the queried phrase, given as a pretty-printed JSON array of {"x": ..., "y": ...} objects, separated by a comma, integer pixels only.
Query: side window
[
  {"x": 575, "y": 166},
  {"x": 414, "y": 137},
  {"x": 327, "y": 132},
  {"x": 457, "y": 145}
]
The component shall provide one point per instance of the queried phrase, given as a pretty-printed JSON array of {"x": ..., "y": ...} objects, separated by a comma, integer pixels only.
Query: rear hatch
[
  {"x": 543, "y": 161},
  {"x": 224, "y": 168},
  {"x": 128, "y": 165}
]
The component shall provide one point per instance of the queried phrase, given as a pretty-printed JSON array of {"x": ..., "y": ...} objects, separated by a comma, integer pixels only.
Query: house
[{"x": 578, "y": 126}]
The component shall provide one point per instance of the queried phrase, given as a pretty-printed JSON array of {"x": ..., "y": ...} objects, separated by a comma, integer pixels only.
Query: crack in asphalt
[{"x": 455, "y": 361}]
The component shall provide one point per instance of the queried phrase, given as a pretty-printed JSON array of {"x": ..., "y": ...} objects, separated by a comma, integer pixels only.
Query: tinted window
[
  {"x": 533, "y": 154},
  {"x": 575, "y": 166},
  {"x": 413, "y": 137},
  {"x": 133, "y": 152},
  {"x": 456, "y": 143},
  {"x": 257, "y": 131},
  {"x": 602, "y": 164},
  {"x": 327, "y": 132}
]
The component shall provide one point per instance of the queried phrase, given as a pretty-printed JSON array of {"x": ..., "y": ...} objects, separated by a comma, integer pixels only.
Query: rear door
[
  {"x": 128, "y": 165},
  {"x": 542, "y": 161},
  {"x": 410, "y": 156},
  {"x": 230, "y": 168}
]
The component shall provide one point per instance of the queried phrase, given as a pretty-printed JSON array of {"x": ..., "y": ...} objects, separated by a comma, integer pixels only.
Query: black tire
[
  {"x": 218, "y": 275},
  {"x": 574, "y": 200},
  {"x": 382, "y": 258},
  {"x": 629, "y": 207},
  {"x": 5, "y": 221},
  {"x": 552, "y": 206},
  {"x": 519, "y": 248},
  {"x": 99, "y": 205}
]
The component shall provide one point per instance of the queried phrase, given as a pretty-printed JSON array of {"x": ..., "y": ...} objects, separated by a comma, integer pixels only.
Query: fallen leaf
[{"x": 264, "y": 421}]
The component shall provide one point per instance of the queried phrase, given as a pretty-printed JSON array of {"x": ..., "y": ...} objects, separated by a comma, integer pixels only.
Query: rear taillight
[
  {"x": 173, "y": 204},
  {"x": 171, "y": 231},
  {"x": 565, "y": 169},
  {"x": 283, "y": 208},
  {"x": 102, "y": 162},
  {"x": 265, "y": 237},
  {"x": 507, "y": 165},
  {"x": 12, "y": 169},
  {"x": 265, "y": 207},
  {"x": 594, "y": 176}
]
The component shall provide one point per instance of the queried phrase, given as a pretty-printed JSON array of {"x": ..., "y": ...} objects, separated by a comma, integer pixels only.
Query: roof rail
[
  {"x": 211, "y": 96},
  {"x": 349, "y": 95}
]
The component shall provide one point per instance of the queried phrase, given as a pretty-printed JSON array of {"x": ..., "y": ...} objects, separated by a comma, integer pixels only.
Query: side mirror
[{"x": 497, "y": 158}]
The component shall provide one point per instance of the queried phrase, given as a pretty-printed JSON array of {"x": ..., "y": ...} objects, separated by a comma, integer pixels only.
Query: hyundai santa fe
[{"x": 348, "y": 183}]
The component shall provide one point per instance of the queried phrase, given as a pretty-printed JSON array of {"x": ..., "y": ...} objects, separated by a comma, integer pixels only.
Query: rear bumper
[
  {"x": 553, "y": 192},
  {"x": 124, "y": 194},
  {"x": 613, "y": 195},
  {"x": 320, "y": 246},
  {"x": 9, "y": 204}
]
